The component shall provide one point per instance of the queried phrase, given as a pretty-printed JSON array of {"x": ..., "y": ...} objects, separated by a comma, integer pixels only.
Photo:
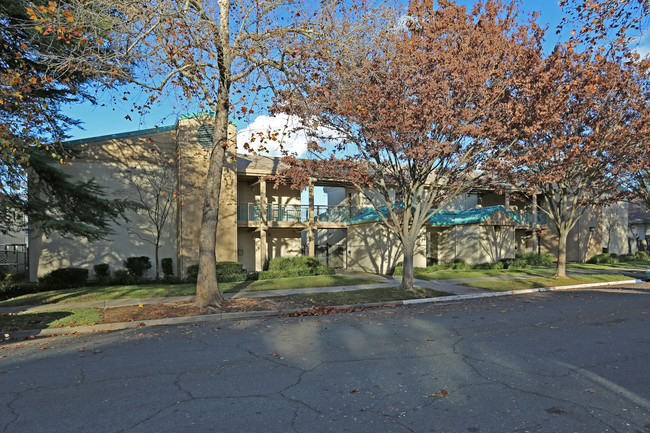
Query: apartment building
[{"x": 259, "y": 221}]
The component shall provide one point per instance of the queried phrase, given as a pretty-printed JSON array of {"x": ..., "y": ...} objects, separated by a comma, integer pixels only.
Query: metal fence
[{"x": 13, "y": 259}]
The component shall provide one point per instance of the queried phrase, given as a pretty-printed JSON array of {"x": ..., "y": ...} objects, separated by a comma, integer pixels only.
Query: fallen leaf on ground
[
  {"x": 441, "y": 393},
  {"x": 590, "y": 390}
]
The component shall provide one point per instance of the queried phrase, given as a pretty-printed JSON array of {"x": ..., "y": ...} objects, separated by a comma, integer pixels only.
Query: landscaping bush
[
  {"x": 229, "y": 268},
  {"x": 299, "y": 266},
  {"x": 495, "y": 265},
  {"x": 284, "y": 263},
  {"x": 231, "y": 278},
  {"x": 122, "y": 276},
  {"x": 137, "y": 266},
  {"x": 605, "y": 258},
  {"x": 533, "y": 259},
  {"x": 64, "y": 278},
  {"x": 460, "y": 264},
  {"x": 517, "y": 263},
  {"x": 192, "y": 273},
  {"x": 167, "y": 266},
  {"x": 102, "y": 271},
  {"x": 13, "y": 290},
  {"x": 642, "y": 255}
]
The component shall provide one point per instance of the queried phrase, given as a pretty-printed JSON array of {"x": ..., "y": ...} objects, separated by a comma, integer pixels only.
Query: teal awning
[
  {"x": 471, "y": 216},
  {"x": 442, "y": 218}
]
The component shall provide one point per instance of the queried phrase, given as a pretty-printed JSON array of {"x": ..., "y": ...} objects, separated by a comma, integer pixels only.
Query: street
[{"x": 552, "y": 362}]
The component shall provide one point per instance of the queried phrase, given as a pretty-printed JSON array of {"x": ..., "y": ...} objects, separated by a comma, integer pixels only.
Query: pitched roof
[{"x": 442, "y": 218}]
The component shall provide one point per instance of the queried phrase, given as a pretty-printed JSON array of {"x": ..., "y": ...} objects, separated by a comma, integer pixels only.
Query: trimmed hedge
[
  {"x": 606, "y": 258},
  {"x": 64, "y": 278},
  {"x": 280, "y": 267},
  {"x": 137, "y": 266},
  {"x": 298, "y": 272},
  {"x": 18, "y": 289},
  {"x": 102, "y": 271},
  {"x": 299, "y": 266},
  {"x": 167, "y": 266},
  {"x": 230, "y": 268}
]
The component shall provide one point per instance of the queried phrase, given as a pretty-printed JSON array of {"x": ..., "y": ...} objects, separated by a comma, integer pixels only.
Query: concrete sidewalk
[
  {"x": 457, "y": 294},
  {"x": 439, "y": 285},
  {"x": 455, "y": 287}
]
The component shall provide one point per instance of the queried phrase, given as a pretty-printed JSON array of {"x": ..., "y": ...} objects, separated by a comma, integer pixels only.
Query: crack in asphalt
[
  {"x": 13, "y": 412},
  {"x": 589, "y": 410}
]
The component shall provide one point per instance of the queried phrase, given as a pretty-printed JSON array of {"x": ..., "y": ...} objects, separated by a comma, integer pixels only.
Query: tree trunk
[
  {"x": 560, "y": 272},
  {"x": 157, "y": 246},
  {"x": 407, "y": 274},
  {"x": 207, "y": 288}
]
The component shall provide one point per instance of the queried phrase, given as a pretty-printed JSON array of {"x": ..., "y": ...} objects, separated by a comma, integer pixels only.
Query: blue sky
[{"x": 109, "y": 116}]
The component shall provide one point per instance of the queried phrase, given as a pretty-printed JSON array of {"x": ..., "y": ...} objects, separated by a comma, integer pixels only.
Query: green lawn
[
  {"x": 382, "y": 294},
  {"x": 629, "y": 264},
  {"x": 50, "y": 319},
  {"x": 451, "y": 274},
  {"x": 530, "y": 283},
  {"x": 100, "y": 293}
]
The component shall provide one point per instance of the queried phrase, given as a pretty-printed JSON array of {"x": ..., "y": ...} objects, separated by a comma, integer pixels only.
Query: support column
[
  {"x": 263, "y": 223},
  {"x": 506, "y": 200},
  {"x": 535, "y": 241},
  {"x": 310, "y": 226}
]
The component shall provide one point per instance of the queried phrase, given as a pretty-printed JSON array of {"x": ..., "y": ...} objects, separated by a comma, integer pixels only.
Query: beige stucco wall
[
  {"x": 246, "y": 239},
  {"x": 193, "y": 163},
  {"x": 280, "y": 243},
  {"x": 374, "y": 248},
  {"x": 117, "y": 175},
  {"x": 473, "y": 243},
  {"x": 582, "y": 242}
]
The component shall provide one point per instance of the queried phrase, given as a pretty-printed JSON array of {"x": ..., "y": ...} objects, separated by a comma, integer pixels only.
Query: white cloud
[
  {"x": 275, "y": 133},
  {"x": 643, "y": 45}
]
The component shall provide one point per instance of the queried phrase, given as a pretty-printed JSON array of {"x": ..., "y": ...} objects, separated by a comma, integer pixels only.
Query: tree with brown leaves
[
  {"x": 407, "y": 108},
  {"x": 579, "y": 127}
]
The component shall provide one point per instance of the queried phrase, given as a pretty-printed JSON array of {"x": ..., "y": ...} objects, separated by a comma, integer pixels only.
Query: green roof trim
[
  {"x": 120, "y": 135},
  {"x": 143, "y": 131},
  {"x": 442, "y": 218},
  {"x": 470, "y": 216}
]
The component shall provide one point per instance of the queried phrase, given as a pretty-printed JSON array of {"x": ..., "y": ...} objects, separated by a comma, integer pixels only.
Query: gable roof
[{"x": 442, "y": 218}]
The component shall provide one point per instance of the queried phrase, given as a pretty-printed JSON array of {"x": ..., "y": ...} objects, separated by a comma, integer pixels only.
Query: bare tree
[
  {"x": 205, "y": 49},
  {"x": 154, "y": 180}
]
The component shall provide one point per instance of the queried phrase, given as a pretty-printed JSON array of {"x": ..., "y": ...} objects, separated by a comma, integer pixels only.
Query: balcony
[
  {"x": 251, "y": 212},
  {"x": 526, "y": 218}
]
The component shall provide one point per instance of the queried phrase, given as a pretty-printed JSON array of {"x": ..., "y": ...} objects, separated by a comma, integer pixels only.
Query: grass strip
[
  {"x": 101, "y": 293},
  {"x": 50, "y": 319},
  {"x": 531, "y": 283},
  {"x": 381, "y": 294},
  {"x": 451, "y": 274}
]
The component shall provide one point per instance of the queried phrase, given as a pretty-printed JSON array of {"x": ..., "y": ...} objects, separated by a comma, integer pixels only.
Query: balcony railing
[
  {"x": 526, "y": 218},
  {"x": 295, "y": 213}
]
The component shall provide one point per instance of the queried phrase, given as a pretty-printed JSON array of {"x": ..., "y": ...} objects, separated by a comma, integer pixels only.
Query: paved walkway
[{"x": 451, "y": 286}]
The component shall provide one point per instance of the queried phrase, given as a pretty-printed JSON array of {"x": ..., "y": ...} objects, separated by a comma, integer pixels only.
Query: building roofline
[{"x": 120, "y": 135}]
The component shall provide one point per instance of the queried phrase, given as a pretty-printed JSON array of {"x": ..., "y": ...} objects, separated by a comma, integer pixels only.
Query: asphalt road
[{"x": 554, "y": 362}]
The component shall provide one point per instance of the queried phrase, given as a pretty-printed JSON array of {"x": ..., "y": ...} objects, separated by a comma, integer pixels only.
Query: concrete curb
[{"x": 51, "y": 332}]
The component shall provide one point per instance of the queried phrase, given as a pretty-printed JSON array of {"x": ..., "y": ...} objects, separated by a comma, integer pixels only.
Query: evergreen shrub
[
  {"x": 64, "y": 278},
  {"x": 167, "y": 266},
  {"x": 137, "y": 266},
  {"x": 102, "y": 271}
]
